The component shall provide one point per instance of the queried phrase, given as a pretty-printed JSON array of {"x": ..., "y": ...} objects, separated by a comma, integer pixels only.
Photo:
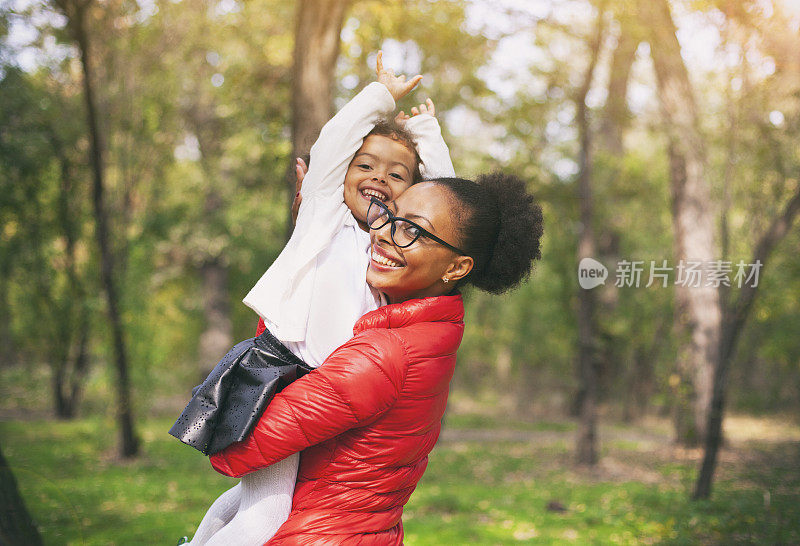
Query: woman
[{"x": 378, "y": 400}]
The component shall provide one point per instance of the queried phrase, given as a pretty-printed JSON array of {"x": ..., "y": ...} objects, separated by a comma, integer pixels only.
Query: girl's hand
[
  {"x": 426, "y": 108},
  {"x": 397, "y": 85},
  {"x": 300, "y": 169}
]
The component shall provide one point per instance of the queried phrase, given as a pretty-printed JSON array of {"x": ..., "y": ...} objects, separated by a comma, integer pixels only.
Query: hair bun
[{"x": 519, "y": 227}]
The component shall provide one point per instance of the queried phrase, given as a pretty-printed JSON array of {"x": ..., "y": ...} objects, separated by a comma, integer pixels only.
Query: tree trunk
[
  {"x": 16, "y": 524},
  {"x": 735, "y": 320},
  {"x": 8, "y": 352},
  {"x": 318, "y": 25},
  {"x": 697, "y": 307},
  {"x": 129, "y": 444},
  {"x": 68, "y": 377},
  {"x": 615, "y": 119},
  {"x": 610, "y": 144},
  {"x": 586, "y": 451},
  {"x": 70, "y": 362},
  {"x": 217, "y": 337},
  {"x": 640, "y": 382}
]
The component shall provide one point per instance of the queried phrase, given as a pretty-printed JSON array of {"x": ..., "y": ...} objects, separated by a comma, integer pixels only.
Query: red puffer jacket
[{"x": 369, "y": 416}]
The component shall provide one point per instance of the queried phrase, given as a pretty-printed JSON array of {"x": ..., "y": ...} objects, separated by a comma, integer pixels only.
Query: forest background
[{"x": 145, "y": 180}]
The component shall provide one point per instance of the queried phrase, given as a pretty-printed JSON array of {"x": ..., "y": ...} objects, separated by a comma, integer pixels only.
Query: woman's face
[{"x": 417, "y": 271}]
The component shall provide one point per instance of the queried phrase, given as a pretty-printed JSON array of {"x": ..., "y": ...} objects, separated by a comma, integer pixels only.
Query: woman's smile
[
  {"x": 383, "y": 261},
  {"x": 415, "y": 271}
]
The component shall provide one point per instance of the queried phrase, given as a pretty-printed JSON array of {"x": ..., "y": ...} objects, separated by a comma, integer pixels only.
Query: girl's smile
[{"x": 382, "y": 168}]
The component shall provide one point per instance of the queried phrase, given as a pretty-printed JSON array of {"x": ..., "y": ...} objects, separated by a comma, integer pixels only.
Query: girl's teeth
[
  {"x": 373, "y": 193},
  {"x": 385, "y": 261}
]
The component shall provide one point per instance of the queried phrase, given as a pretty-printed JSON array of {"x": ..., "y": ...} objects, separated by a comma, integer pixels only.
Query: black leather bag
[{"x": 227, "y": 405}]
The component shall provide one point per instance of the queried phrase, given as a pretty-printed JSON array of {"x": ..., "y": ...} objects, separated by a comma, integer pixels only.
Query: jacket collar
[{"x": 448, "y": 308}]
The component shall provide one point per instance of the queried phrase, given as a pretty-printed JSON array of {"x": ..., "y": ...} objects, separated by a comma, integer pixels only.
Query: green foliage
[
  {"x": 487, "y": 482},
  {"x": 47, "y": 268}
]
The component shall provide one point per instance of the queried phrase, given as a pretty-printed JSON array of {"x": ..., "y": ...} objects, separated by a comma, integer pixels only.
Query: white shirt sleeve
[
  {"x": 431, "y": 147},
  {"x": 282, "y": 296},
  {"x": 341, "y": 138}
]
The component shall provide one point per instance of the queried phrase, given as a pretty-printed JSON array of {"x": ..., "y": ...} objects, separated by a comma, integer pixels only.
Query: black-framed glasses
[{"x": 403, "y": 231}]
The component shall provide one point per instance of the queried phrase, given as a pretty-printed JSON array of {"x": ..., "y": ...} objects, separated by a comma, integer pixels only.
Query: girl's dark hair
[
  {"x": 391, "y": 129},
  {"x": 500, "y": 226}
]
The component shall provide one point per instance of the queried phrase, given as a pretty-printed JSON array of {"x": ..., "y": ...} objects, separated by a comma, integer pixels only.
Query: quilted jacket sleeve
[{"x": 354, "y": 386}]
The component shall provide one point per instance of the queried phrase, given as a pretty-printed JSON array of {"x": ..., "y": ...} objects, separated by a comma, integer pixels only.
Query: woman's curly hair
[{"x": 501, "y": 228}]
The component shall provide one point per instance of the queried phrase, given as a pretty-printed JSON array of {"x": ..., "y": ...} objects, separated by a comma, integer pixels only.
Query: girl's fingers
[
  {"x": 408, "y": 86},
  {"x": 300, "y": 170},
  {"x": 427, "y": 108},
  {"x": 414, "y": 81},
  {"x": 298, "y": 199},
  {"x": 398, "y": 82},
  {"x": 414, "y": 111}
]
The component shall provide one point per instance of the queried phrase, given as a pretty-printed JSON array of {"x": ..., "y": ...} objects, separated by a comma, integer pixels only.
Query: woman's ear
[{"x": 459, "y": 268}]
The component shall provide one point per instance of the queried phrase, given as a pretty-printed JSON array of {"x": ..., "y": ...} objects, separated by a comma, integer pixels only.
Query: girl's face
[
  {"x": 382, "y": 168},
  {"x": 417, "y": 271}
]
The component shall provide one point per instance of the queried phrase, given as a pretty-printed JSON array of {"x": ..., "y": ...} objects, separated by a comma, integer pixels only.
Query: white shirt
[{"x": 315, "y": 291}]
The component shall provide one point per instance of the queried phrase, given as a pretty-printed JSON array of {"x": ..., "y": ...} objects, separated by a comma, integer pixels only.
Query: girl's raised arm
[
  {"x": 432, "y": 149},
  {"x": 343, "y": 135}
]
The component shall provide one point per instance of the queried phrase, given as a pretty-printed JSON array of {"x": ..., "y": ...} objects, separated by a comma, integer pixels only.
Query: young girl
[{"x": 312, "y": 295}]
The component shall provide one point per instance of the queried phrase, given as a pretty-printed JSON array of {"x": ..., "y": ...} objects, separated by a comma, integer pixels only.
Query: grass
[{"x": 487, "y": 483}]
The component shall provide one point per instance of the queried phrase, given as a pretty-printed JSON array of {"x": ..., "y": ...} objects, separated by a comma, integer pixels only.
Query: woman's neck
[{"x": 431, "y": 292}]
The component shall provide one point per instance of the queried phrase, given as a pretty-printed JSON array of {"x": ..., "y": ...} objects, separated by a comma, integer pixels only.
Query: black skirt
[{"x": 227, "y": 405}]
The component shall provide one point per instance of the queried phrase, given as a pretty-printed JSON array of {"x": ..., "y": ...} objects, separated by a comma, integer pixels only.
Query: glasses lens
[
  {"x": 404, "y": 233},
  {"x": 377, "y": 215}
]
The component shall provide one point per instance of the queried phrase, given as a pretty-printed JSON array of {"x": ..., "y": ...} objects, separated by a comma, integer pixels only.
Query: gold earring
[{"x": 445, "y": 279}]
